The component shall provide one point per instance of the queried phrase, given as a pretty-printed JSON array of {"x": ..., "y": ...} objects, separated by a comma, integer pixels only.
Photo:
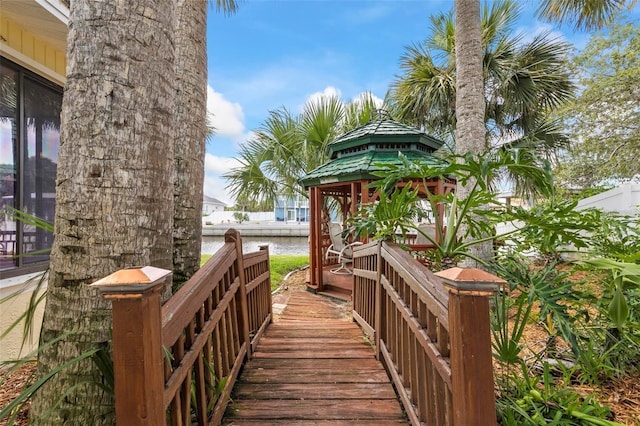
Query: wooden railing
[
  {"x": 259, "y": 304},
  {"x": 177, "y": 363},
  {"x": 435, "y": 344}
]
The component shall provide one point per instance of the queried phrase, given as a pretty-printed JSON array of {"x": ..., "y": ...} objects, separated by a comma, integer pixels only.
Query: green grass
[
  {"x": 204, "y": 258},
  {"x": 281, "y": 264}
]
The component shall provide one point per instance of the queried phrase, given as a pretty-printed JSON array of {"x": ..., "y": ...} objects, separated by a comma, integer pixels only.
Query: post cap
[
  {"x": 470, "y": 280},
  {"x": 139, "y": 279}
]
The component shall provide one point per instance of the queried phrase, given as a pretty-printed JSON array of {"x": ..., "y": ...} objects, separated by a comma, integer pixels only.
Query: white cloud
[
  {"x": 214, "y": 183},
  {"x": 363, "y": 95},
  {"x": 214, "y": 186},
  {"x": 530, "y": 32},
  {"x": 328, "y": 91},
  {"x": 316, "y": 96},
  {"x": 227, "y": 117},
  {"x": 287, "y": 82},
  {"x": 219, "y": 165}
]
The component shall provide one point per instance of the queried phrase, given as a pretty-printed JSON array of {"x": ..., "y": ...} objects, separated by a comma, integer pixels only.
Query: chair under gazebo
[{"x": 354, "y": 157}]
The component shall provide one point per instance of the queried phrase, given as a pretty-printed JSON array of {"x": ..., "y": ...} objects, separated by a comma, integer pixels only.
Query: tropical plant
[
  {"x": 555, "y": 226},
  {"x": 287, "y": 146},
  {"x": 507, "y": 336},
  {"x": 541, "y": 400},
  {"x": 390, "y": 216},
  {"x": 523, "y": 81},
  {"x": 589, "y": 15},
  {"x": 241, "y": 217},
  {"x": 622, "y": 278},
  {"x": 10, "y": 412},
  {"x": 468, "y": 221},
  {"x": 550, "y": 290},
  {"x": 617, "y": 237}
]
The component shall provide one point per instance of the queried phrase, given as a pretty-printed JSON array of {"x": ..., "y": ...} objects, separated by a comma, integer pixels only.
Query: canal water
[{"x": 277, "y": 245}]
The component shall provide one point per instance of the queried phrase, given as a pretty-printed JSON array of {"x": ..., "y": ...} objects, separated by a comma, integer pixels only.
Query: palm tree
[
  {"x": 592, "y": 14},
  {"x": 286, "y": 147},
  {"x": 586, "y": 15},
  {"x": 521, "y": 82},
  {"x": 190, "y": 131},
  {"x": 114, "y": 194}
]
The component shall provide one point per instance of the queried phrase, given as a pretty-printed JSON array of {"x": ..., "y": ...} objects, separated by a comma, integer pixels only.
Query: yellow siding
[
  {"x": 61, "y": 62},
  {"x": 31, "y": 46}
]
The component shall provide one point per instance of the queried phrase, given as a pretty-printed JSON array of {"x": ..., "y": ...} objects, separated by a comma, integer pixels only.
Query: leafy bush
[
  {"x": 554, "y": 227},
  {"x": 241, "y": 217},
  {"x": 547, "y": 287},
  {"x": 535, "y": 400},
  {"x": 617, "y": 237}
]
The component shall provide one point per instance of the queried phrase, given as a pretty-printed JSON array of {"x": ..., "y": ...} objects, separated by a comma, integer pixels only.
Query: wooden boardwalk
[{"x": 313, "y": 367}]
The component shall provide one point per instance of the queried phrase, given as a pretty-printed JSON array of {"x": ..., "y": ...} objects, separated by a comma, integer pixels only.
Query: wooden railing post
[
  {"x": 470, "y": 340},
  {"x": 137, "y": 343},
  {"x": 230, "y": 236}
]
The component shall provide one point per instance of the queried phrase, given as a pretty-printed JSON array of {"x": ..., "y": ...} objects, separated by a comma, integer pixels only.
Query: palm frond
[{"x": 583, "y": 14}]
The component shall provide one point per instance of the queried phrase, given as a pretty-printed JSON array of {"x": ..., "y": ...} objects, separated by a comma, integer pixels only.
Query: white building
[{"x": 211, "y": 205}]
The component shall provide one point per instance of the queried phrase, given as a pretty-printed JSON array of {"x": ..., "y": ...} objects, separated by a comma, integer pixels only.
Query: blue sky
[{"x": 275, "y": 53}]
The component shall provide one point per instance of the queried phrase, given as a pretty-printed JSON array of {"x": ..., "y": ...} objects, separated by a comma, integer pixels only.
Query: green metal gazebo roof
[
  {"x": 382, "y": 131},
  {"x": 370, "y": 148}
]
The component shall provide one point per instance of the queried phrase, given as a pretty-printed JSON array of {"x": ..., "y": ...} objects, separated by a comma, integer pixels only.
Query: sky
[{"x": 280, "y": 53}]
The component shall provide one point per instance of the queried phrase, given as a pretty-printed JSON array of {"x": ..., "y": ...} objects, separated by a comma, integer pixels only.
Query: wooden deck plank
[
  {"x": 316, "y": 409},
  {"x": 275, "y": 341},
  {"x": 290, "y": 422},
  {"x": 315, "y": 334},
  {"x": 301, "y": 345},
  {"x": 315, "y": 390},
  {"x": 314, "y": 367},
  {"x": 314, "y": 376},
  {"x": 325, "y": 354},
  {"x": 327, "y": 365}
]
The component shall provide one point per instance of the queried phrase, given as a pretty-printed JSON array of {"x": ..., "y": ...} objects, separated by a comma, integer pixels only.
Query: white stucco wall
[
  {"x": 216, "y": 218},
  {"x": 15, "y": 294},
  {"x": 624, "y": 199}
]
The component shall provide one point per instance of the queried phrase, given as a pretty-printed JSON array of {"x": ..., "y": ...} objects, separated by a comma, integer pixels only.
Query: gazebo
[{"x": 355, "y": 156}]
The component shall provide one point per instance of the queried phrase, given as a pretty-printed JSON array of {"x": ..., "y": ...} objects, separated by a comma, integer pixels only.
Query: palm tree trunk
[
  {"x": 190, "y": 130},
  {"x": 470, "y": 102},
  {"x": 114, "y": 198}
]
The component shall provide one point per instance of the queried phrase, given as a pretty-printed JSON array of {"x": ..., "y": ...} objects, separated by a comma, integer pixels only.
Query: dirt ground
[
  {"x": 297, "y": 281},
  {"x": 12, "y": 385}
]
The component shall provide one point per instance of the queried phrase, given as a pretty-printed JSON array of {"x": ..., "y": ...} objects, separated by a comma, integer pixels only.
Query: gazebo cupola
[
  {"x": 355, "y": 156},
  {"x": 358, "y": 153}
]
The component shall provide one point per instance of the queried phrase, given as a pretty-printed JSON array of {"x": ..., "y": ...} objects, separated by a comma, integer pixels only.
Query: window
[{"x": 29, "y": 139}]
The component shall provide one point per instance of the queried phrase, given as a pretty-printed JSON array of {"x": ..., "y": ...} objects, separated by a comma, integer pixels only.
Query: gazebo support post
[{"x": 318, "y": 246}]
